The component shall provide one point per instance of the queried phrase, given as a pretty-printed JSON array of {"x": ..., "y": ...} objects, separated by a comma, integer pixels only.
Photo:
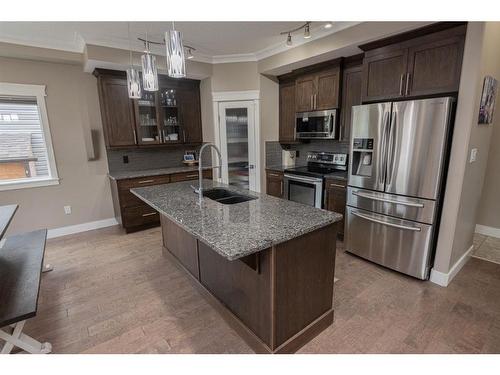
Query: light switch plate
[{"x": 473, "y": 155}]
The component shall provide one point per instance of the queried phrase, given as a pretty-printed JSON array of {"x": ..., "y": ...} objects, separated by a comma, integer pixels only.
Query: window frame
[{"x": 39, "y": 92}]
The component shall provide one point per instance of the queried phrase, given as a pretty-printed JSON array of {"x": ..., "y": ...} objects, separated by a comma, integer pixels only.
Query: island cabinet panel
[
  {"x": 181, "y": 245},
  {"x": 274, "y": 183},
  {"x": 304, "y": 278},
  {"x": 245, "y": 291}
]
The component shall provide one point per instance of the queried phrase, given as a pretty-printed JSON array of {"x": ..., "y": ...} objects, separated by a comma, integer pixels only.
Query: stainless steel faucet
[{"x": 200, "y": 169}]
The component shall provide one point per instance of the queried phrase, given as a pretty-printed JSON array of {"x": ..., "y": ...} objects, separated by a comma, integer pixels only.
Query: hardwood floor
[{"x": 115, "y": 293}]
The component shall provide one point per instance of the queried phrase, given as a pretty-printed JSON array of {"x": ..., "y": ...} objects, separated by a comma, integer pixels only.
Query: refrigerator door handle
[
  {"x": 378, "y": 221},
  {"x": 383, "y": 153},
  {"x": 380, "y": 199},
  {"x": 391, "y": 149}
]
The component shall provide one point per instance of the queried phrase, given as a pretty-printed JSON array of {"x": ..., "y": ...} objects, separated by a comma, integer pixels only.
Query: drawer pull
[
  {"x": 145, "y": 181},
  {"x": 336, "y": 185},
  {"x": 274, "y": 175},
  {"x": 191, "y": 175},
  {"x": 369, "y": 218},
  {"x": 387, "y": 200},
  {"x": 149, "y": 214}
]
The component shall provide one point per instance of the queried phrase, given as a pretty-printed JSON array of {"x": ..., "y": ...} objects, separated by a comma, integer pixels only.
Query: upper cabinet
[
  {"x": 351, "y": 94},
  {"x": 171, "y": 115},
  {"x": 287, "y": 112},
  {"x": 318, "y": 91},
  {"x": 419, "y": 66},
  {"x": 117, "y": 111}
]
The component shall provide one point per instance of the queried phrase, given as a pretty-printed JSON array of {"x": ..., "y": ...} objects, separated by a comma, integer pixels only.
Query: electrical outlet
[
  {"x": 473, "y": 155},
  {"x": 67, "y": 210},
  {"x": 125, "y": 159}
]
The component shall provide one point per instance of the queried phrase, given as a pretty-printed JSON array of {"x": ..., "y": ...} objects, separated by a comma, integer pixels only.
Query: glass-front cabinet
[{"x": 158, "y": 117}]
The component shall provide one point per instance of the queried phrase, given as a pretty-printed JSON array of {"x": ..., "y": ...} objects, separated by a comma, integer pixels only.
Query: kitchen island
[{"x": 266, "y": 264}]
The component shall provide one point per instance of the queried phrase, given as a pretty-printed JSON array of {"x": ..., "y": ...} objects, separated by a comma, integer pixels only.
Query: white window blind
[{"x": 26, "y": 157}]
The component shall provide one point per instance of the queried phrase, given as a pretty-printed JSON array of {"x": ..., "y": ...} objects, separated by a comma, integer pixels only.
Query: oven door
[
  {"x": 305, "y": 190},
  {"x": 312, "y": 125}
]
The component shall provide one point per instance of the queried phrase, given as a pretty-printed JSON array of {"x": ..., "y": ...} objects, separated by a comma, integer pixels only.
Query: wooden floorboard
[{"x": 112, "y": 292}]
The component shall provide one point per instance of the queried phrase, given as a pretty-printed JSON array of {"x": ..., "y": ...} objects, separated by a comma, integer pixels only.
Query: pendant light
[
  {"x": 149, "y": 69},
  {"x": 176, "y": 63},
  {"x": 133, "y": 79}
]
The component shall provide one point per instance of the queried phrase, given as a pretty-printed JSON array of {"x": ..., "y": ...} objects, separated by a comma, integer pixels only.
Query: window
[{"x": 26, "y": 155}]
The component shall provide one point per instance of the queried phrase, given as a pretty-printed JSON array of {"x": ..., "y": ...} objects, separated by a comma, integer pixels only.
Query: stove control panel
[{"x": 331, "y": 158}]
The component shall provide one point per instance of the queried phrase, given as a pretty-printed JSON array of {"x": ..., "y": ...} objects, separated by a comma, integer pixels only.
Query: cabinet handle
[
  {"x": 336, "y": 185},
  {"x": 145, "y": 181},
  {"x": 281, "y": 189},
  {"x": 401, "y": 84},
  {"x": 149, "y": 214},
  {"x": 274, "y": 175},
  {"x": 408, "y": 77},
  {"x": 184, "y": 135},
  {"x": 312, "y": 101},
  {"x": 315, "y": 101},
  {"x": 135, "y": 137},
  {"x": 191, "y": 175}
]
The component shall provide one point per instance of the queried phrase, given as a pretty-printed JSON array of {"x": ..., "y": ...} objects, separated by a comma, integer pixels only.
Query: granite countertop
[
  {"x": 122, "y": 175},
  {"x": 235, "y": 231}
]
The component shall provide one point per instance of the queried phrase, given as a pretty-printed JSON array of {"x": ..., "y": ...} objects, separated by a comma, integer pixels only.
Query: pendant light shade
[
  {"x": 176, "y": 63},
  {"x": 149, "y": 72},
  {"x": 133, "y": 83}
]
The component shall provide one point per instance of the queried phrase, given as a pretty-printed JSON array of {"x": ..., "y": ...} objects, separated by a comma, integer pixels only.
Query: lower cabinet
[
  {"x": 131, "y": 212},
  {"x": 274, "y": 183},
  {"x": 336, "y": 198}
]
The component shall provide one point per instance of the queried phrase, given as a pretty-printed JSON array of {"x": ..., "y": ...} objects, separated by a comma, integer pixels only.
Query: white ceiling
[{"x": 214, "y": 41}]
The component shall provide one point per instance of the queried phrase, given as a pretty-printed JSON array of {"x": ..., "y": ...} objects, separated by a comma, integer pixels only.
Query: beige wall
[
  {"x": 235, "y": 77},
  {"x": 489, "y": 208},
  {"x": 465, "y": 180},
  {"x": 72, "y": 106}
]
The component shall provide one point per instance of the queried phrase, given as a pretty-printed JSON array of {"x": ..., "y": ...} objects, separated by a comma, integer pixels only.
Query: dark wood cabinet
[
  {"x": 172, "y": 115},
  {"x": 419, "y": 66},
  {"x": 117, "y": 111},
  {"x": 131, "y": 212},
  {"x": 287, "y": 112},
  {"x": 318, "y": 91},
  {"x": 274, "y": 183},
  {"x": 190, "y": 113},
  {"x": 305, "y": 88},
  {"x": 351, "y": 96},
  {"x": 384, "y": 74},
  {"x": 336, "y": 198},
  {"x": 434, "y": 67},
  {"x": 327, "y": 89}
]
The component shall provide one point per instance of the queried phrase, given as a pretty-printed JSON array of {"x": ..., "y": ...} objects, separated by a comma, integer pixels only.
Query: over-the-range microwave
[{"x": 316, "y": 125}]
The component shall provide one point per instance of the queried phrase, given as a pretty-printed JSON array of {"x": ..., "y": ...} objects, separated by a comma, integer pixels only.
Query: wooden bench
[{"x": 21, "y": 262}]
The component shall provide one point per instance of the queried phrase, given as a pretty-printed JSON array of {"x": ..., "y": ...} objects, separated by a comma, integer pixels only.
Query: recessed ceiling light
[{"x": 328, "y": 25}]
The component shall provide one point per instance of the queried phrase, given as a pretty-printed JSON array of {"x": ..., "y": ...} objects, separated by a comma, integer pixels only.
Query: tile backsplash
[
  {"x": 274, "y": 148},
  {"x": 141, "y": 159}
]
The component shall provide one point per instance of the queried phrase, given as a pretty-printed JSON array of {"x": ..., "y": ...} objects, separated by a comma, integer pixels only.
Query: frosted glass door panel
[{"x": 237, "y": 146}]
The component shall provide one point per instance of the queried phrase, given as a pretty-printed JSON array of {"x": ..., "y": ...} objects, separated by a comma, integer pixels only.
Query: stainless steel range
[{"x": 306, "y": 184}]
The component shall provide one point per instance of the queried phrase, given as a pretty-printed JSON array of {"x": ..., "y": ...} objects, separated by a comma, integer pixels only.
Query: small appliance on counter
[
  {"x": 190, "y": 158},
  {"x": 306, "y": 184}
]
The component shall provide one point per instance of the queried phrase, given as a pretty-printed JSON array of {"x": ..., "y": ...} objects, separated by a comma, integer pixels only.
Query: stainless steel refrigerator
[{"x": 396, "y": 167}]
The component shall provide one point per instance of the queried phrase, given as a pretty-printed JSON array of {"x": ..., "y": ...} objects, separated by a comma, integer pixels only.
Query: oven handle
[
  {"x": 386, "y": 200},
  {"x": 304, "y": 179},
  {"x": 369, "y": 218}
]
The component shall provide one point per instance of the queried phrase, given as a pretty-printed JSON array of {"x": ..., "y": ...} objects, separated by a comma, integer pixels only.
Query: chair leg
[{"x": 23, "y": 341}]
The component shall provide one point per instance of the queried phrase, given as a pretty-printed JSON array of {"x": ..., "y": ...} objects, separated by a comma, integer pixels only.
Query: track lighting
[
  {"x": 288, "y": 33},
  {"x": 189, "y": 53}
]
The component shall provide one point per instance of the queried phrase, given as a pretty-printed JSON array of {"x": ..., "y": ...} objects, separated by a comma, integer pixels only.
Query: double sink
[{"x": 226, "y": 196}]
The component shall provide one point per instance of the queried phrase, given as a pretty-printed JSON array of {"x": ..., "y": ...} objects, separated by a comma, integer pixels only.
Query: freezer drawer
[
  {"x": 408, "y": 208},
  {"x": 402, "y": 245}
]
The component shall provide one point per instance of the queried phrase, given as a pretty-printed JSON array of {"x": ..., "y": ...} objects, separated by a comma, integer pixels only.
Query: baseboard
[
  {"x": 72, "y": 229},
  {"x": 444, "y": 279},
  {"x": 488, "y": 231}
]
